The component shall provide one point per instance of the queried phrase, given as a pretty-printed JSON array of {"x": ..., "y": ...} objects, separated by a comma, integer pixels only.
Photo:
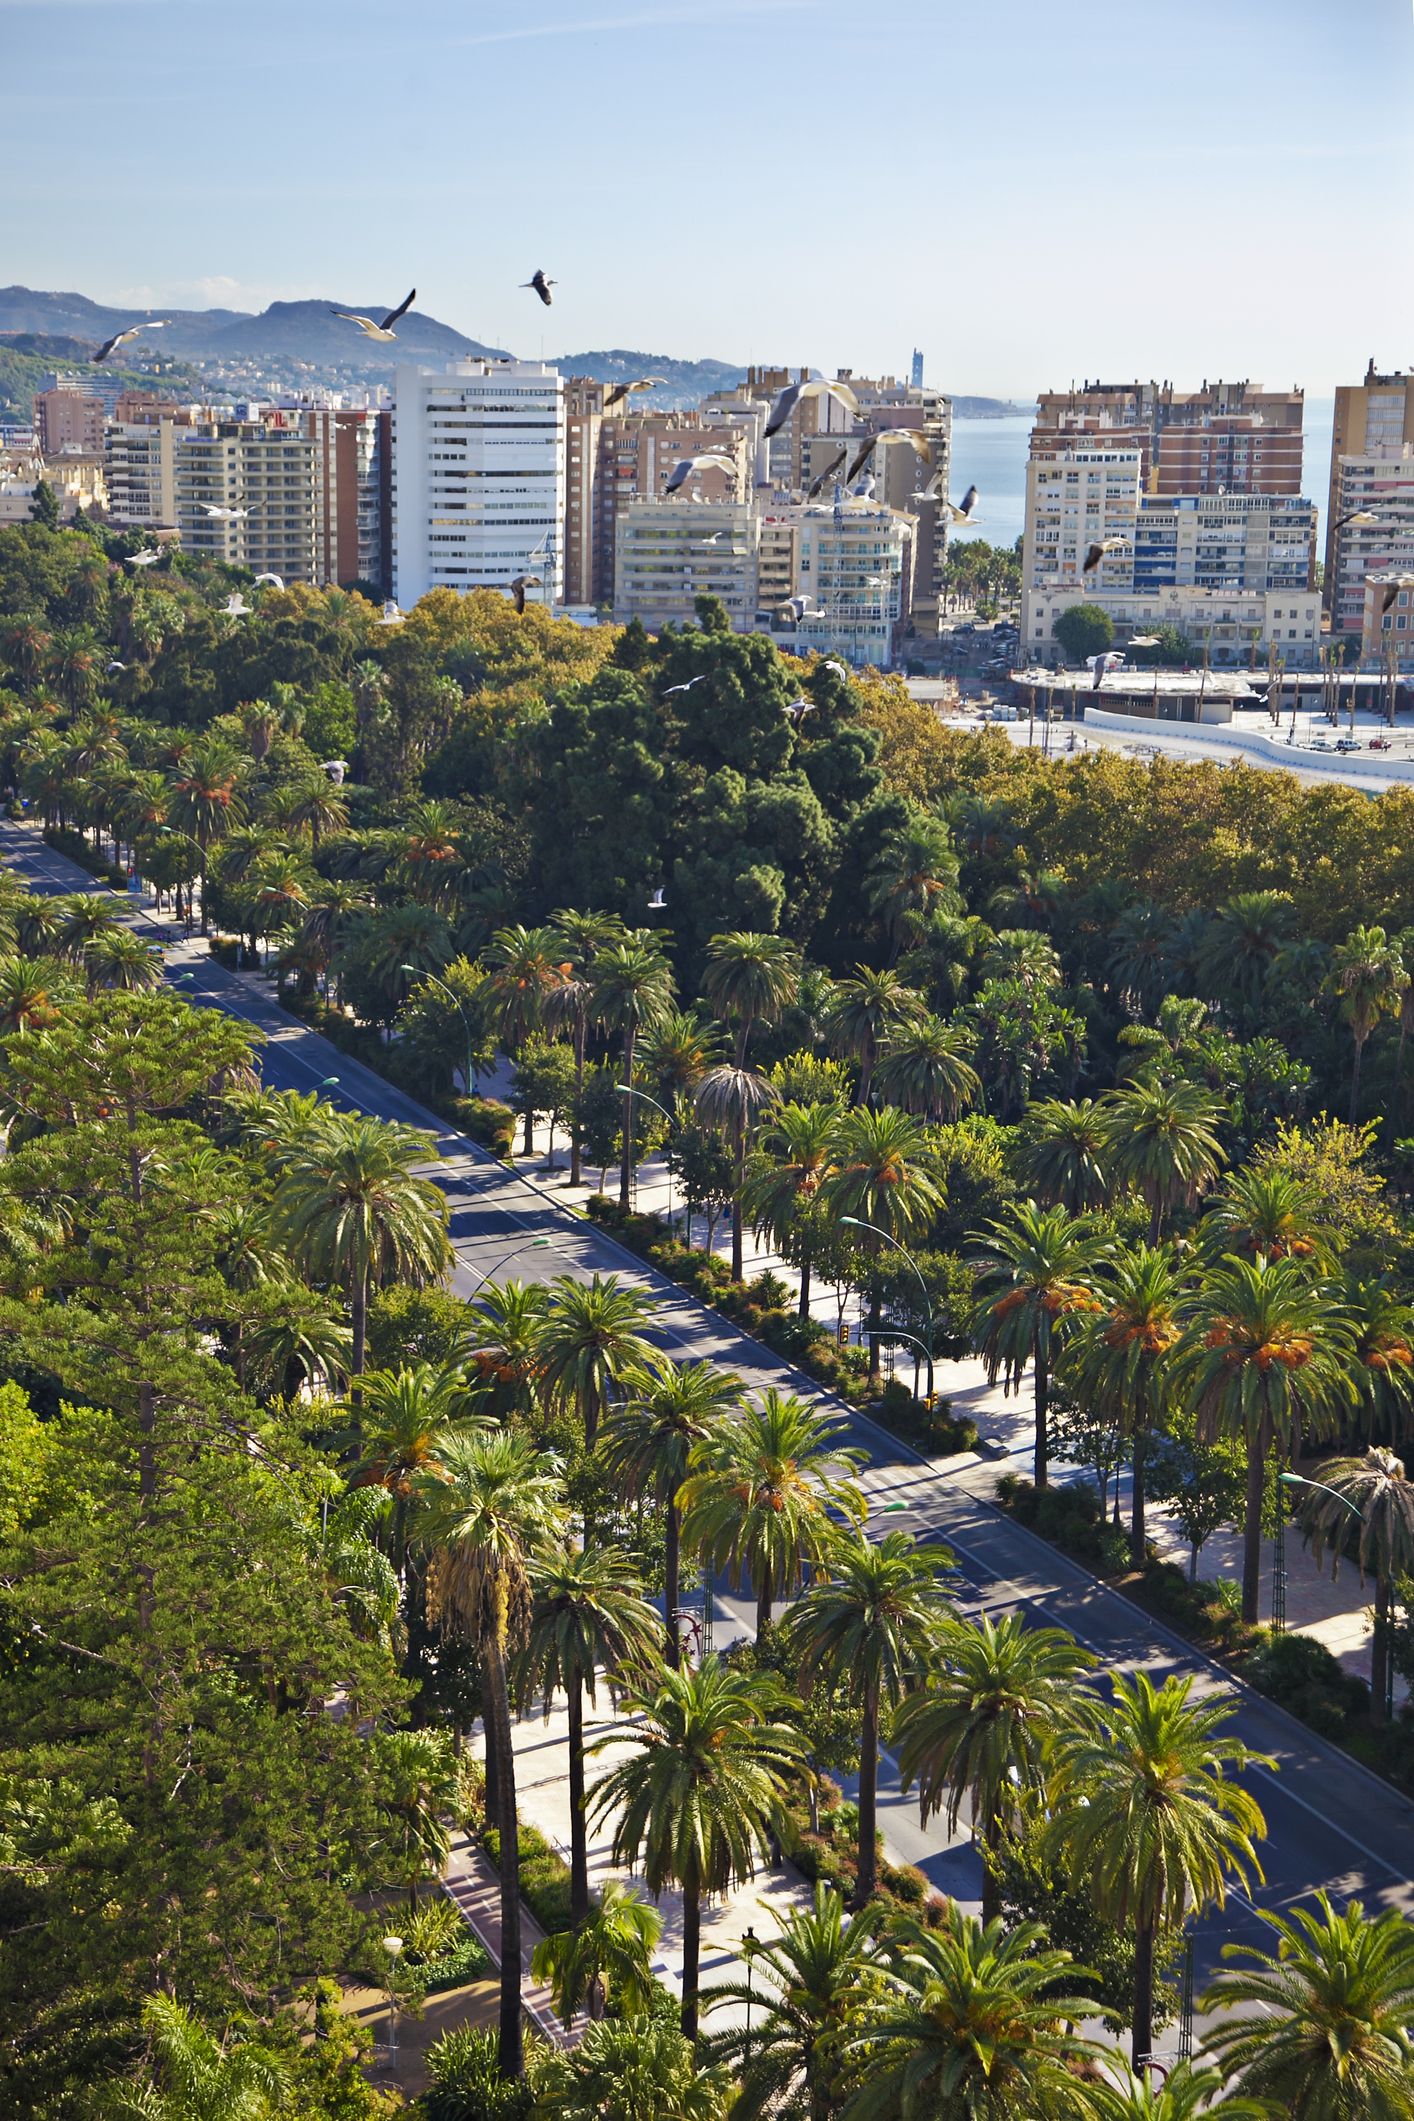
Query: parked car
[
  {"x": 1379, "y": 743},
  {"x": 1348, "y": 743}
]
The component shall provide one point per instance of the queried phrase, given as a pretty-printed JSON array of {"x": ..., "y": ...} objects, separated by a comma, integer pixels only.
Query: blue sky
[{"x": 1029, "y": 192}]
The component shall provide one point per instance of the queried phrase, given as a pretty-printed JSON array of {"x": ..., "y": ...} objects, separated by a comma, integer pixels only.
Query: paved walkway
[{"x": 473, "y": 1883}]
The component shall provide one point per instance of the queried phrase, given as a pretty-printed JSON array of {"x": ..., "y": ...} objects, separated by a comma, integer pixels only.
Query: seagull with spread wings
[
  {"x": 962, "y": 511},
  {"x": 143, "y": 559},
  {"x": 369, "y": 326},
  {"x": 799, "y": 393},
  {"x": 915, "y": 438},
  {"x": 121, "y": 338},
  {"x": 705, "y": 460},
  {"x": 622, "y": 391},
  {"x": 235, "y": 606},
  {"x": 1100, "y": 550},
  {"x": 519, "y": 586},
  {"x": 796, "y": 710},
  {"x": 838, "y": 668},
  {"x": 818, "y": 486},
  {"x": 219, "y": 513},
  {"x": 658, "y": 901},
  {"x": 541, "y": 286},
  {"x": 269, "y": 581},
  {"x": 390, "y": 615}
]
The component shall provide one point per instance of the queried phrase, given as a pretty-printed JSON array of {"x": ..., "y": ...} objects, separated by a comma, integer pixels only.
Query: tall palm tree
[
  {"x": 1037, "y": 1278},
  {"x": 1238, "y": 945},
  {"x": 122, "y": 959},
  {"x": 1266, "y": 1353},
  {"x": 973, "y": 2022},
  {"x": 570, "y": 1001},
  {"x": 759, "y": 1493},
  {"x": 608, "y": 1954},
  {"x": 1065, "y": 1147},
  {"x": 913, "y": 875},
  {"x": 1336, "y": 2002},
  {"x": 697, "y": 1798},
  {"x": 1144, "y": 1805},
  {"x": 1382, "y": 1329},
  {"x": 862, "y": 1013},
  {"x": 400, "y": 1423},
  {"x": 872, "y": 1624},
  {"x": 589, "y": 1612},
  {"x": 1118, "y": 1357},
  {"x": 592, "y": 1341},
  {"x": 982, "y": 1728},
  {"x": 1267, "y": 1210},
  {"x": 504, "y": 1325},
  {"x": 633, "y": 991},
  {"x": 207, "y": 799},
  {"x": 1138, "y": 960},
  {"x": 1375, "y": 1488},
  {"x": 925, "y": 1068},
  {"x": 487, "y": 1505},
  {"x": 802, "y": 1986},
  {"x": 1162, "y": 1139},
  {"x": 729, "y": 1101},
  {"x": 523, "y": 969},
  {"x": 781, "y": 1183},
  {"x": 885, "y": 1172},
  {"x": 1367, "y": 975},
  {"x": 190, "y": 2075},
  {"x": 352, "y": 1209},
  {"x": 646, "y": 1443},
  {"x": 750, "y": 979}
]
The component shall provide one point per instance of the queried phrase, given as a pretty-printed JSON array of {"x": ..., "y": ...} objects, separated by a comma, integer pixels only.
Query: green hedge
[
  {"x": 544, "y": 1877},
  {"x": 467, "y": 1961}
]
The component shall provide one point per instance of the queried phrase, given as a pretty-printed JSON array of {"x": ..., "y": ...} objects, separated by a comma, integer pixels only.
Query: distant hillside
[
  {"x": 684, "y": 382},
  {"x": 22, "y": 372},
  {"x": 309, "y": 331},
  {"x": 965, "y": 408}
]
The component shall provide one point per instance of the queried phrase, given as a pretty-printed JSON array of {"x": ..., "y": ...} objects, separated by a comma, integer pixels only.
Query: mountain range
[{"x": 296, "y": 345}]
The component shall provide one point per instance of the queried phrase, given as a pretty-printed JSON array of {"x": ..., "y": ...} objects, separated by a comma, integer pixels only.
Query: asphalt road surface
[{"x": 1329, "y": 1822}]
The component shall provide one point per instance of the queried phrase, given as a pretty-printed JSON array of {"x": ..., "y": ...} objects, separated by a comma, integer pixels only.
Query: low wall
[{"x": 1376, "y": 767}]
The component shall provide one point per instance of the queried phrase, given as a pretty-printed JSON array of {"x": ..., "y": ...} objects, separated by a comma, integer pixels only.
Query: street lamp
[
  {"x": 173, "y": 832},
  {"x": 431, "y": 980},
  {"x": 532, "y": 1244},
  {"x": 393, "y": 1947},
  {"x": 857, "y": 1222},
  {"x": 630, "y": 1091},
  {"x": 1298, "y": 1480}
]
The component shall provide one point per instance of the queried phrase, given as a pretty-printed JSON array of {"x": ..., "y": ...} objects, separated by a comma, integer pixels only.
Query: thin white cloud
[{"x": 659, "y": 18}]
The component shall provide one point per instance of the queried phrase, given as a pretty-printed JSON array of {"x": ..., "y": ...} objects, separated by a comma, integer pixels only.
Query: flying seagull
[
  {"x": 962, "y": 512},
  {"x": 819, "y": 485},
  {"x": 220, "y": 514},
  {"x": 1101, "y": 664},
  {"x": 269, "y": 581},
  {"x": 115, "y": 665},
  {"x": 121, "y": 338},
  {"x": 621, "y": 391},
  {"x": 235, "y": 607},
  {"x": 541, "y": 286},
  {"x": 658, "y": 901},
  {"x": 143, "y": 559},
  {"x": 1098, "y": 551},
  {"x": 715, "y": 539},
  {"x": 797, "y": 710},
  {"x": 523, "y": 582},
  {"x": 797, "y": 608},
  {"x": 687, "y": 687},
  {"x": 369, "y": 326},
  {"x": 915, "y": 438},
  {"x": 1361, "y": 515},
  {"x": 838, "y": 668},
  {"x": 1388, "y": 600},
  {"x": 1143, "y": 640},
  {"x": 706, "y": 460},
  {"x": 796, "y": 394}
]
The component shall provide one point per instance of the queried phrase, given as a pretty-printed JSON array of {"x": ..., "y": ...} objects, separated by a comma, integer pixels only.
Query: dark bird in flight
[
  {"x": 369, "y": 326},
  {"x": 915, "y": 438},
  {"x": 1098, "y": 550},
  {"x": 523, "y": 582},
  {"x": 134, "y": 331},
  {"x": 541, "y": 286},
  {"x": 796, "y": 394},
  {"x": 817, "y": 488},
  {"x": 621, "y": 391},
  {"x": 706, "y": 460}
]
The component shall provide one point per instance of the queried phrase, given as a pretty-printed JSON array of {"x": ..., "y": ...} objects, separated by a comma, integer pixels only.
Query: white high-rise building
[{"x": 478, "y": 478}]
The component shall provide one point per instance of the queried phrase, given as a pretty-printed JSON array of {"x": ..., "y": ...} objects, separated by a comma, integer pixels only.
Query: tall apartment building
[
  {"x": 637, "y": 453},
  {"x": 586, "y": 577},
  {"x": 668, "y": 553},
  {"x": 855, "y": 563},
  {"x": 1374, "y": 429},
  {"x": 1076, "y": 498},
  {"x": 69, "y": 419},
  {"x": 363, "y": 487},
  {"x": 140, "y": 462},
  {"x": 478, "y": 477},
  {"x": 1226, "y": 437},
  {"x": 1224, "y": 541},
  {"x": 281, "y": 468}
]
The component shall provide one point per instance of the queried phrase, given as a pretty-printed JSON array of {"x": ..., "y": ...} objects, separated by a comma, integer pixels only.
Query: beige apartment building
[
  {"x": 68, "y": 419},
  {"x": 140, "y": 464},
  {"x": 1389, "y": 633},
  {"x": 280, "y": 469},
  {"x": 1371, "y": 444},
  {"x": 1223, "y": 438},
  {"x": 667, "y": 553}
]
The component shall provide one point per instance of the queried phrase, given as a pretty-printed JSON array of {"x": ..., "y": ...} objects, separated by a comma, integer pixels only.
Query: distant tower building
[{"x": 915, "y": 375}]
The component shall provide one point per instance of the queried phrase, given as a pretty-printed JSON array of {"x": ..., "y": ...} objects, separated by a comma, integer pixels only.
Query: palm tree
[
  {"x": 886, "y": 1173},
  {"x": 1066, "y": 1154},
  {"x": 504, "y": 1324},
  {"x": 646, "y": 1443},
  {"x": 750, "y": 979},
  {"x": 699, "y": 1795},
  {"x": 1238, "y": 945},
  {"x": 1336, "y": 2003},
  {"x": 633, "y": 991},
  {"x": 1119, "y": 1356},
  {"x": 1367, "y": 974},
  {"x": 1162, "y": 1139},
  {"x": 974, "y": 2023},
  {"x": 759, "y": 1493},
  {"x": 995, "y": 1703},
  {"x": 570, "y": 1000},
  {"x": 207, "y": 799},
  {"x": 400, "y": 1423},
  {"x": 193, "y": 2076},
  {"x": 1139, "y": 956},
  {"x": 628, "y": 2071},
  {"x": 729, "y": 1101},
  {"x": 865, "y": 1011},
  {"x": 608, "y": 1954},
  {"x": 1145, "y": 1807},
  {"x": 781, "y": 1183},
  {"x": 913, "y": 875},
  {"x": 871, "y": 1624},
  {"x": 1267, "y": 1351},
  {"x": 1267, "y": 1210},
  {"x": 419, "y": 1784},
  {"x": 1374, "y": 1489},
  {"x": 1189, "y": 2092},
  {"x": 924, "y": 1067},
  {"x": 350, "y": 1206},
  {"x": 592, "y": 1341},
  {"x": 523, "y": 969},
  {"x": 122, "y": 959},
  {"x": 589, "y": 1612},
  {"x": 811, "y": 1974},
  {"x": 1037, "y": 1276},
  {"x": 1382, "y": 1330},
  {"x": 488, "y": 1504}
]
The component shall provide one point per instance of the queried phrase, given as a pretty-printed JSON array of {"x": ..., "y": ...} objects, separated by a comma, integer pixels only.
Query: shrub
[
  {"x": 466, "y": 2082},
  {"x": 486, "y": 1122},
  {"x": 433, "y": 1930},
  {"x": 544, "y": 1877},
  {"x": 467, "y": 1960},
  {"x": 905, "y": 1882},
  {"x": 769, "y": 1291},
  {"x": 1301, "y": 1675}
]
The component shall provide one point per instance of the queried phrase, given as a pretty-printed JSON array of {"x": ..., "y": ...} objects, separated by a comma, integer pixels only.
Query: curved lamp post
[
  {"x": 532, "y": 1244},
  {"x": 431, "y": 980},
  {"x": 857, "y": 1222},
  {"x": 630, "y": 1091}
]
